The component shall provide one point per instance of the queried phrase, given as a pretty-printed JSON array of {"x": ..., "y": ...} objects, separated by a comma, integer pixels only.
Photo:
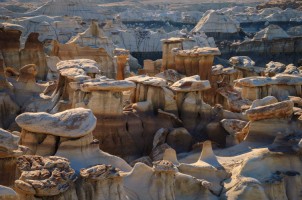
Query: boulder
[
  {"x": 282, "y": 109},
  {"x": 242, "y": 61},
  {"x": 180, "y": 140},
  {"x": 191, "y": 84},
  {"x": 72, "y": 123},
  {"x": 265, "y": 101},
  {"x": 44, "y": 177},
  {"x": 232, "y": 126}
]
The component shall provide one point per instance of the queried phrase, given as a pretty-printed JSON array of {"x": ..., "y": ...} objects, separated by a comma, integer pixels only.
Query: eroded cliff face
[
  {"x": 15, "y": 56},
  {"x": 285, "y": 50}
]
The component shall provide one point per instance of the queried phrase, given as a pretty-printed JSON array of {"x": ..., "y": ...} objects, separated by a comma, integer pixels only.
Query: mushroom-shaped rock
[
  {"x": 282, "y": 109},
  {"x": 105, "y": 84},
  {"x": 72, "y": 123},
  {"x": 198, "y": 51},
  {"x": 100, "y": 172},
  {"x": 164, "y": 166},
  {"x": 147, "y": 80},
  {"x": 8, "y": 141},
  {"x": 105, "y": 181},
  {"x": 44, "y": 176},
  {"x": 122, "y": 57},
  {"x": 190, "y": 84},
  {"x": 73, "y": 68}
]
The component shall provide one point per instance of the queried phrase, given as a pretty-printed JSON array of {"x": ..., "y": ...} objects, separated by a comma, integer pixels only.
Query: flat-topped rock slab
[
  {"x": 105, "y": 84},
  {"x": 147, "y": 80},
  {"x": 72, "y": 68},
  {"x": 72, "y": 123},
  {"x": 203, "y": 51},
  {"x": 190, "y": 84},
  {"x": 282, "y": 109},
  {"x": 280, "y": 79}
]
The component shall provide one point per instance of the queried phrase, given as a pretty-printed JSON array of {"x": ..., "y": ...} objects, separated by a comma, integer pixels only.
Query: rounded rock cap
[{"x": 73, "y": 123}]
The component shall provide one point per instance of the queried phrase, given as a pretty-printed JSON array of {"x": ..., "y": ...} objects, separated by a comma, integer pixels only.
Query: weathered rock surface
[
  {"x": 71, "y": 123},
  {"x": 191, "y": 84},
  {"x": 104, "y": 181},
  {"x": 232, "y": 126},
  {"x": 282, "y": 109},
  {"x": 265, "y": 101},
  {"x": 8, "y": 141},
  {"x": 44, "y": 176}
]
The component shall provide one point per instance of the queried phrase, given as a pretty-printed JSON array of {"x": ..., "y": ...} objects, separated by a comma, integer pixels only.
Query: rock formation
[
  {"x": 45, "y": 177},
  {"x": 105, "y": 181},
  {"x": 73, "y": 131},
  {"x": 168, "y": 57},
  {"x": 122, "y": 57},
  {"x": 81, "y": 119},
  {"x": 9, "y": 151},
  {"x": 196, "y": 61},
  {"x": 280, "y": 86},
  {"x": 15, "y": 56}
]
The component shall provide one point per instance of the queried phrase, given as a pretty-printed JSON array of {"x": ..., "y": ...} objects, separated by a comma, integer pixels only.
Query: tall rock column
[
  {"x": 168, "y": 56},
  {"x": 122, "y": 57},
  {"x": 103, "y": 96},
  {"x": 152, "y": 93},
  {"x": 189, "y": 99},
  {"x": 196, "y": 61},
  {"x": 105, "y": 181}
]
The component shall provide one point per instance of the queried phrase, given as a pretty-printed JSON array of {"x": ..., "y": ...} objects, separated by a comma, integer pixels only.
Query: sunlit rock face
[
  {"x": 48, "y": 135},
  {"x": 280, "y": 86},
  {"x": 104, "y": 182},
  {"x": 16, "y": 56},
  {"x": 45, "y": 177},
  {"x": 80, "y": 119}
]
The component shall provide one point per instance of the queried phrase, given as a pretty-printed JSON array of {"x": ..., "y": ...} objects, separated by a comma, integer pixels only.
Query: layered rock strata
[
  {"x": 15, "y": 56},
  {"x": 280, "y": 86},
  {"x": 195, "y": 61}
]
